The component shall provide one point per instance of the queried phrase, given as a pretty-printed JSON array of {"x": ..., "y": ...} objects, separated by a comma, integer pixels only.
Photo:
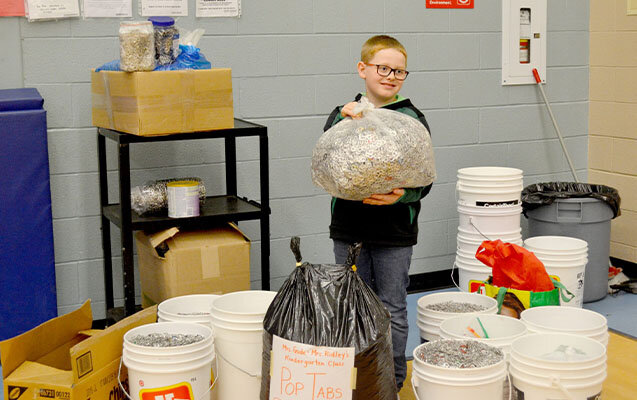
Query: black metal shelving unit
[{"x": 217, "y": 209}]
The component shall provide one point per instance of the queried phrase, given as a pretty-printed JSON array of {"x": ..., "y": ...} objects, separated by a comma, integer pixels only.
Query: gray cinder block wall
[{"x": 292, "y": 62}]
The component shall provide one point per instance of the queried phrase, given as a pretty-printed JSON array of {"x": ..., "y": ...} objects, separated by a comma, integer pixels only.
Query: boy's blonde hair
[{"x": 380, "y": 42}]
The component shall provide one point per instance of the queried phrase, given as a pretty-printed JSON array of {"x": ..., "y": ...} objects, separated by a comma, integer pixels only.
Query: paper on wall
[
  {"x": 107, "y": 8},
  {"x": 163, "y": 8},
  {"x": 51, "y": 9},
  {"x": 218, "y": 8}
]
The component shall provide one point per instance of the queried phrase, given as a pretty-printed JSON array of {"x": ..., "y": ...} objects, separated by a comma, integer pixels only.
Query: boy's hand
[
  {"x": 385, "y": 199},
  {"x": 348, "y": 110}
]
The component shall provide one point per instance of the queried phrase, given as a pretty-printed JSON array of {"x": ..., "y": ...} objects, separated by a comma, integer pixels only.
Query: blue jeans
[{"x": 386, "y": 271}]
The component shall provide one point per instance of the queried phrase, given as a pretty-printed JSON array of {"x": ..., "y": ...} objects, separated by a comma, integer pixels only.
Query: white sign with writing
[
  {"x": 305, "y": 372},
  {"x": 51, "y": 9},
  {"x": 163, "y": 8},
  {"x": 218, "y": 8},
  {"x": 108, "y": 8}
]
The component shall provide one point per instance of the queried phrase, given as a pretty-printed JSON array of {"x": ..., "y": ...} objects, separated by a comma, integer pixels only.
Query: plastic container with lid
[{"x": 166, "y": 39}]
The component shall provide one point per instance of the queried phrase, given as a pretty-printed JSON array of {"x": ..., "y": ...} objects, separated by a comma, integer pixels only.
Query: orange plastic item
[{"x": 514, "y": 267}]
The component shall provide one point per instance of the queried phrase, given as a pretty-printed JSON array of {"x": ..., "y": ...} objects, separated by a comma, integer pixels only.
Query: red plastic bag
[{"x": 514, "y": 267}]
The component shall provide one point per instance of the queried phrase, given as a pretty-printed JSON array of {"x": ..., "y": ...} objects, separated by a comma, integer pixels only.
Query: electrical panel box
[{"x": 523, "y": 41}]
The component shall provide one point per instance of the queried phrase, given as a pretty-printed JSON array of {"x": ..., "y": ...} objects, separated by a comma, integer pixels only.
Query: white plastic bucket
[
  {"x": 488, "y": 196},
  {"x": 490, "y": 219},
  {"x": 571, "y": 275},
  {"x": 469, "y": 242},
  {"x": 247, "y": 305},
  {"x": 556, "y": 245},
  {"x": 542, "y": 378},
  {"x": 429, "y": 320},
  {"x": 237, "y": 319},
  {"x": 434, "y": 382},
  {"x": 180, "y": 370},
  {"x": 190, "y": 308},
  {"x": 502, "y": 330},
  {"x": 556, "y": 319},
  {"x": 469, "y": 274}
]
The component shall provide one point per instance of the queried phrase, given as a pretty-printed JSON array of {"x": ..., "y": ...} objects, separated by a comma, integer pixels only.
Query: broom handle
[{"x": 557, "y": 128}]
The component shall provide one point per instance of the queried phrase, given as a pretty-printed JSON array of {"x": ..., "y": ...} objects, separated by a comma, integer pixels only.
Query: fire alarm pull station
[{"x": 523, "y": 41}]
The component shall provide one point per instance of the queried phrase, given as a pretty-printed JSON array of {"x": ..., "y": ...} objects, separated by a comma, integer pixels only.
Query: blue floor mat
[{"x": 620, "y": 310}]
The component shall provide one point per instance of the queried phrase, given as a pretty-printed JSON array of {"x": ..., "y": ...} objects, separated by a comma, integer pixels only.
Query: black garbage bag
[
  {"x": 330, "y": 305},
  {"x": 540, "y": 194}
]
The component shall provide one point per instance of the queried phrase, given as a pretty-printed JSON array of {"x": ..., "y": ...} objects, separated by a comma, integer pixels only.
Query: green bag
[{"x": 514, "y": 301}]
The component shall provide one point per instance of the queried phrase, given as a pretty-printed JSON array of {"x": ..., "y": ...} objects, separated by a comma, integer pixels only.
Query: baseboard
[
  {"x": 629, "y": 268},
  {"x": 431, "y": 281}
]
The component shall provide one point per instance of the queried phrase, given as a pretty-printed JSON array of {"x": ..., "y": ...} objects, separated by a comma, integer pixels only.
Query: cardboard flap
[
  {"x": 43, "y": 339},
  {"x": 160, "y": 237},
  {"x": 35, "y": 373},
  {"x": 102, "y": 348},
  {"x": 223, "y": 234}
]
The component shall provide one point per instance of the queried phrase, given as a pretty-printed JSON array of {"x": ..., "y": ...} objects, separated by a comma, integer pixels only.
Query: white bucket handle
[
  {"x": 555, "y": 381},
  {"x": 413, "y": 386},
  {"x": 119, "y": 381},
  {"x": 477, "y": 229},
  {"x": 257, "y": 375}
]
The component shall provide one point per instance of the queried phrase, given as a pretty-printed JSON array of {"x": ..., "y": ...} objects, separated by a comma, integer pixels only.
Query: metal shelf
[{"x": 228, "y": 207}]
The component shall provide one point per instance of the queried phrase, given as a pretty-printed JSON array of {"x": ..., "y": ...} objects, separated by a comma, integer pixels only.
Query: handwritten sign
[{"x": 305, "y": 372}]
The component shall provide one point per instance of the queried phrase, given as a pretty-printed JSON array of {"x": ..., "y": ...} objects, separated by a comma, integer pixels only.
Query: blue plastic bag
[
  {"x": 190, "y": 57},
  {"x": 109, "y": 66}
]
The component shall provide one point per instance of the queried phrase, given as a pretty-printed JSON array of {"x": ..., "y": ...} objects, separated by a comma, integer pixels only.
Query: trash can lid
[{"x": 20, "y": 99}]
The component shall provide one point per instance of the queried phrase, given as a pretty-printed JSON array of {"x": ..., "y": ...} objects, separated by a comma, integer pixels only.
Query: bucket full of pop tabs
[
  {"x": 437, "y": 307},
  {"x": 183, "y": 199},
  {"x": 169, "y": 360},
  {"x": 453, "y": 369}
]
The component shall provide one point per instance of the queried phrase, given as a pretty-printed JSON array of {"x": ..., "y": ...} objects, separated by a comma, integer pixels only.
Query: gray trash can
[{"x": 587, "y": 217}]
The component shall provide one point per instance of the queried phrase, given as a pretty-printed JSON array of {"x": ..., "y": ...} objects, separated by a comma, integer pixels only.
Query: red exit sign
[{"x": 449, "y": 3}]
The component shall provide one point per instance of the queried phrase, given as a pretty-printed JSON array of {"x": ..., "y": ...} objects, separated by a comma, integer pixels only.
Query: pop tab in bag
[
  {"x": 328, "y": 305},
  {"x": 381, "y": 151}
]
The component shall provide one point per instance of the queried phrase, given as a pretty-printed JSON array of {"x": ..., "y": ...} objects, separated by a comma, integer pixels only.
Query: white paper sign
[
  {"x": 164, "y": 8},
  {"x": 305, "y": 372},
  {"x": 218, "y": 8},
  {"x": 51, "y": 9},
  {"x": 107, "y": 8}
]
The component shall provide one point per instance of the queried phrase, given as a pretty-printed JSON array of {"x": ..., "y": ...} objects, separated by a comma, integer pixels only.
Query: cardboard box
[
  {"x": 173, "y": 263},
  {"x": 163, "y": 102},
  {"x": 65, "y": 359}
]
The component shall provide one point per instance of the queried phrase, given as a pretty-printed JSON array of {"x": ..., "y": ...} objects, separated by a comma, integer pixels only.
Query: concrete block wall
[
  {"x": 291, "y": 65},
  {"x": 613, "y": 104}
]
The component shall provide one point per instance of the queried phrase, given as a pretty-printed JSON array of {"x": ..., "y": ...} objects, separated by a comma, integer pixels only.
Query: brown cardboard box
[
  {"x": 163, "y": 102},
  {"x": 210, "y": 261},
  {"x": 64, "y": 359}
]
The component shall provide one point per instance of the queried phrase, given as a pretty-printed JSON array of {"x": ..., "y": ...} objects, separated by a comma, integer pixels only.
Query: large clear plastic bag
[
  {"x": 377, "y": 153},
  {"x": 330, "y": 305}
]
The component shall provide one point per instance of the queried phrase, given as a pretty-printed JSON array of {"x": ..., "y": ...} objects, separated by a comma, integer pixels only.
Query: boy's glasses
[{"x": 384, "y": 71}]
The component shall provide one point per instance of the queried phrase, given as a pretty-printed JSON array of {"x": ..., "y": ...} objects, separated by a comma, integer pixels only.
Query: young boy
[{"x": 386, "y": 223}]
